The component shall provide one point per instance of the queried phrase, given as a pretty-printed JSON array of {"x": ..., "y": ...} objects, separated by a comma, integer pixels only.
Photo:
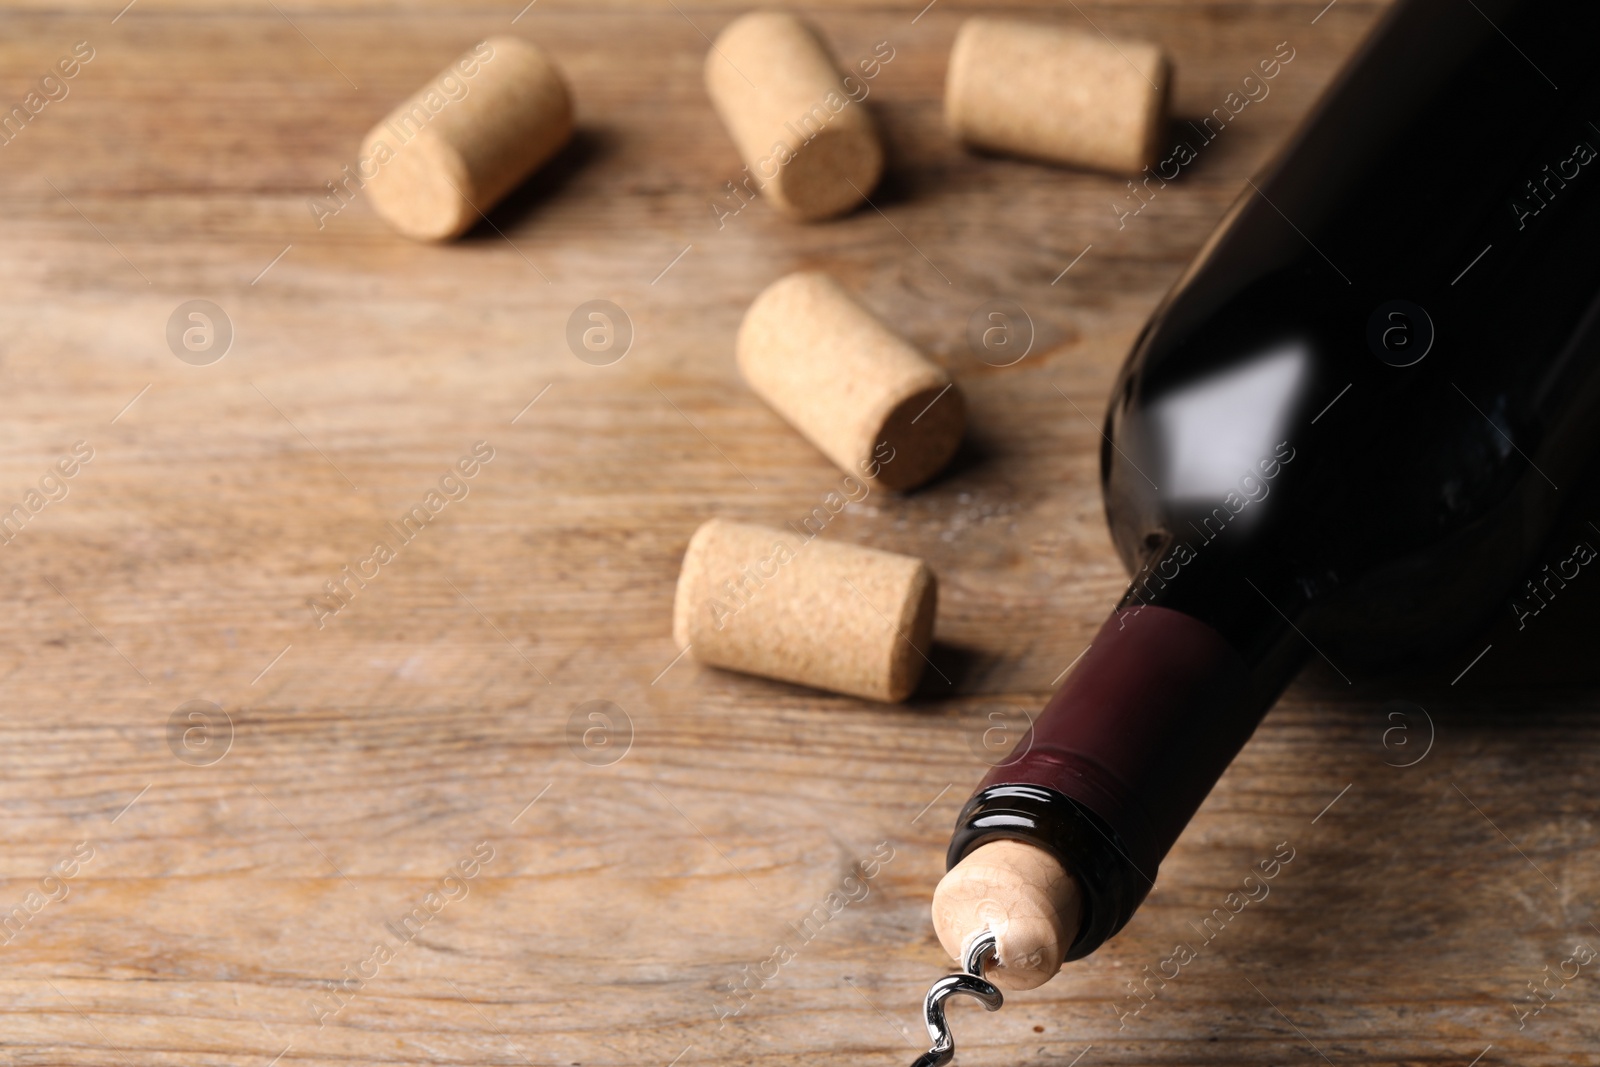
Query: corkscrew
[{"x": 980, "y": 952}]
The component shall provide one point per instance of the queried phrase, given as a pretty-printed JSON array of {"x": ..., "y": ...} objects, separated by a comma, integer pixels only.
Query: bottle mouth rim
[{"x": 1111, "y": 887}]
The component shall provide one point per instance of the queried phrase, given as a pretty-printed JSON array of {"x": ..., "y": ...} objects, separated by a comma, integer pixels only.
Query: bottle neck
[
  {"x": 1125, "y": 752},
  {"x": 1243, "y": 589}
]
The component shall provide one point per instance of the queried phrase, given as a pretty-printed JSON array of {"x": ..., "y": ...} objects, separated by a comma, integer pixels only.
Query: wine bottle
[{"x": 1343, "y": 434}]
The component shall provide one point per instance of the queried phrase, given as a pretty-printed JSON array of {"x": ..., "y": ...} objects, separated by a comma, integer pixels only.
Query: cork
[
  {"x": 466, "y": 139},
  {"x": 784, "y": 604},
  {"x": 811, "y": 148},
  {"x": 1025, "y": 896},
  {"x": 1050, "y": 93},
  {"x": 871, "y": 402}
]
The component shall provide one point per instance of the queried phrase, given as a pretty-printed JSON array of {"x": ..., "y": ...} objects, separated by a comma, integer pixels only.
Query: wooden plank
[{"x": 223, "y": 901}]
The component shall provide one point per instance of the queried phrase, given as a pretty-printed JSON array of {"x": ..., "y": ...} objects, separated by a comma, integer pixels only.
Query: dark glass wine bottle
[{"x": 1343, "y": 433}]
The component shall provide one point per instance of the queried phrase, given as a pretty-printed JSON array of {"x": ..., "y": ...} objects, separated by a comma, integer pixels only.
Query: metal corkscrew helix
[{"x": 980, "y": 950}]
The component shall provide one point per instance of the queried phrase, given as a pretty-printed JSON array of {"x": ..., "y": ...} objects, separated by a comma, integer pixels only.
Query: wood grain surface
[{"x": 202, "y": 890}]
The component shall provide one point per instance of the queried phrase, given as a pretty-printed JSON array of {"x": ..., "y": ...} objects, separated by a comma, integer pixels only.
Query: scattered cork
[
  {"x": 782, "y": 604},
  {"x": 1046, "y": 92},
  {"x": 1025, "y": 896},
  {"x": 448, "y": 154},
  {"x": 870, "y": 401},
  {"x": 806, "y": 139}
]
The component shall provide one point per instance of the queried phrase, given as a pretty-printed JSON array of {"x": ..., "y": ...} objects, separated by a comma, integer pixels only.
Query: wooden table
[{"x": 219, "y": 868}]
